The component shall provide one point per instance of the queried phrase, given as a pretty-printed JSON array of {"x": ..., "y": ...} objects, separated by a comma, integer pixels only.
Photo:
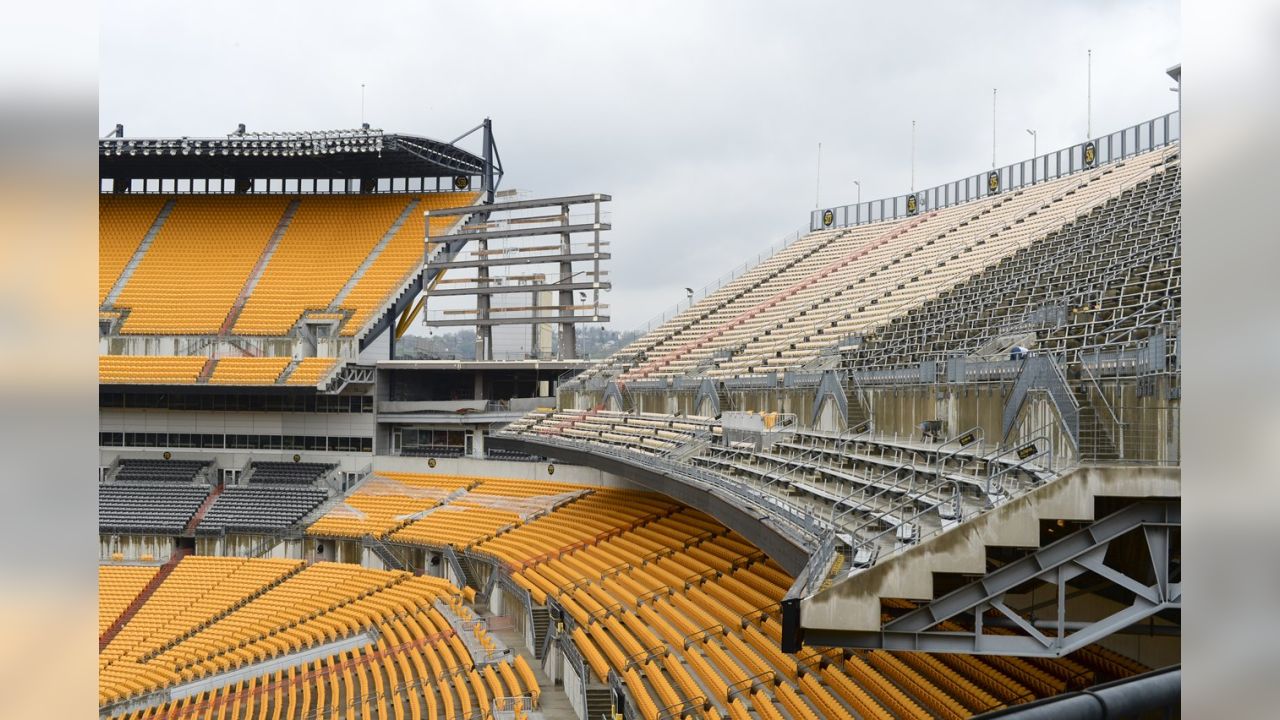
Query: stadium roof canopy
[{"x": 360, "y": 153}]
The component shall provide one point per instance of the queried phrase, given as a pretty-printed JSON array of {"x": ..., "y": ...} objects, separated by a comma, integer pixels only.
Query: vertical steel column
[
  {"x": 484, "y": 332},
  {"x": 568, "y": 334}
]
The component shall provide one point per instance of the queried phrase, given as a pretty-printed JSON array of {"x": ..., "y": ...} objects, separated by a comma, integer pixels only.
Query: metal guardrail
[{"x": 1104, "y": 149}]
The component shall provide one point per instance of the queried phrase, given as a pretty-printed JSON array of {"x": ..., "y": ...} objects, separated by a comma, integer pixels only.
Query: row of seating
[
  {"x": 416, "y": 668},
  {"x": 123, "y": 221},
  {"x": 310, "y": 371},
  {"x": 150, "y": 369},
  {"x": 287, "y": 473},
  {"x": 327, "y": 239},
  {"x": 685, "y": 610},
  {"x": 403, "y": 254},
  {"x": 188, "y": 369},
  {"x": 198, "y": 263},
  {"x": 161, "y": 508},
  {"x": 197, "y": 266},
  {"x": 260, "y": 509},
  {"x": 151, "y": 470},
  {"x": 438, "y": 510},
  {"x": 118, "y": 585},
  {"x": 248, "y": 370},
  {"x": 1114, "y": 270},
  {"x": 834, "y": 284},
  {"x": 648, "y": 433},
  {"x": 387, "y": 501}
]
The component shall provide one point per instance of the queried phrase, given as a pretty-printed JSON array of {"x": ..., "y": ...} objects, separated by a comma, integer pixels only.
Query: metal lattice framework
[{"x": 955, "y": 622}]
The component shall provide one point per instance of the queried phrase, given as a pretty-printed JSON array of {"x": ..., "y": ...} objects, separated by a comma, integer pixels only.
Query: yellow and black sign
[
  {"x": 993, "y": 182},
  {"x": 297, "y": 458},
  {"x": 1090, "y": 154},
  {"x": 913, "y": 205},
  {"x": 431, "y": 462},
  {"x": 551, "y": 469},
  {"x": 168, "y": 455},
  {"x": 828, "y": 217},
  {"x": 1026, "y": 451},
  {"x": 966, "y": 439},
  {"x": 461, "y": 182}
]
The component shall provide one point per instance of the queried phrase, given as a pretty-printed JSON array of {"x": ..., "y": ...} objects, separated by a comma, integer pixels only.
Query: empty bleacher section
[
  {"x": 310, "y": 371},
  {"x": 197, "y": 264},
  {"x": 402, "y": 254},
  {"x": 149, "y": 369},
  {"x": 201, "y": 370},
  {"x": 648, "y": 433},
  {"x": 123, "y": 221},
  {"x": 439, "y": 510},
  {"x": 686, "y": 614},
  {"x": 146, "y": 470},
  {"x": 260, "y": 509},
  {"x": 118, "y": 585},
  {"x": 386, "y": 502},
  {"x": 832, "y": 285},
  {"x": 162, "y": 508},
  {"x": 201, "y": 263},
  {"x": 288, "y": 473},
  {"x": 247, "y": 370},
  {"x": 328, "y": 238},
  {"x": 348, "y": 642},
  {"x": 1114, "y": 275}
]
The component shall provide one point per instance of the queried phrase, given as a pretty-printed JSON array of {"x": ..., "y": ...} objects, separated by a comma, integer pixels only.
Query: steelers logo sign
[
  {"x": 461, "y": 182},
  {"x": 828, "y": 217},
  {"x": 1090, "y": 154},
  {"x": 993, "y": 182}
]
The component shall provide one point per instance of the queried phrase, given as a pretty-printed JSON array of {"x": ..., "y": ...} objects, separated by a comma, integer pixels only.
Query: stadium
[{"x": 921, "y": 461}]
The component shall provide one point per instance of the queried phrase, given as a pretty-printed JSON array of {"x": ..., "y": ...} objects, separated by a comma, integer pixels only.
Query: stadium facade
[{"x": 922, "y": 461}]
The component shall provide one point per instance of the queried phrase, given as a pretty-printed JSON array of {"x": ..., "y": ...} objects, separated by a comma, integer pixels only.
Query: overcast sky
[{"x": 702, "y": 119}]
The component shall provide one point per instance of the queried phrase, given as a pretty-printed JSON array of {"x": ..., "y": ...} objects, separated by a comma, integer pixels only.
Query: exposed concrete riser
[{"x": 854, "y": 604}]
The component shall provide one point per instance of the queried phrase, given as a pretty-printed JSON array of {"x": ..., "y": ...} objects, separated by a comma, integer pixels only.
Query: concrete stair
[
  {"x": 541, "y": 622},
  {"x": 194, "y": 522},
  {"x": 150, "y": 588},
  {"x": 852, "y": 600},
  {"x": 252, "y": 282},
  {"x": 138, "y": 254},
  {"x": 599, "y": 702}
]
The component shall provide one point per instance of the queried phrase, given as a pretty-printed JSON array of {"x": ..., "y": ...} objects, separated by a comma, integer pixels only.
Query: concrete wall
[{"x": 537, "y": 471}]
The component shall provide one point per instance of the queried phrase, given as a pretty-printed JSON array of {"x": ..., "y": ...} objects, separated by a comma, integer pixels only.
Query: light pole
[
  {"x": 1175, "y": 72},
  {"x": 1032, "y": 133},
  {"x": 859, "y": 186}
]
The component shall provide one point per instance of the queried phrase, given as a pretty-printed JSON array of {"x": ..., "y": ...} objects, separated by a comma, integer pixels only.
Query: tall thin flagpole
[
  {"x": 1088, "y": 102},
  {"x": 993, "y": 128},
  {"x": 913, "y": 156},
  {"x": 817, "y": 190},
  {"x": 362, "y": 103}
]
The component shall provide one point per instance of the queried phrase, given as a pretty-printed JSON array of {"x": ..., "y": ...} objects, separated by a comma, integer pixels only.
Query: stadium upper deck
[{"x": 261, "y": 254}]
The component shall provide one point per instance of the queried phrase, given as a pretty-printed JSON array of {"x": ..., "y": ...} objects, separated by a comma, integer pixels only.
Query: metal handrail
[{"x": 864, "y": 499}]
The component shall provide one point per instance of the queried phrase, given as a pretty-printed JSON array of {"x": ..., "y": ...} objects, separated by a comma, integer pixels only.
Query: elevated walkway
[{"x": 849, "y": 606}]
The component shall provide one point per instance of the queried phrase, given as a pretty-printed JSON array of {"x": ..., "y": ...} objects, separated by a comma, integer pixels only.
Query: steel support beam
[{"x": 1057, "y": 564}]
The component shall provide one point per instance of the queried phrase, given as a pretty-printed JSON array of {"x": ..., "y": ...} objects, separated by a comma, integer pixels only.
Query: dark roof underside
[{"x": 399, "y": 156}]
